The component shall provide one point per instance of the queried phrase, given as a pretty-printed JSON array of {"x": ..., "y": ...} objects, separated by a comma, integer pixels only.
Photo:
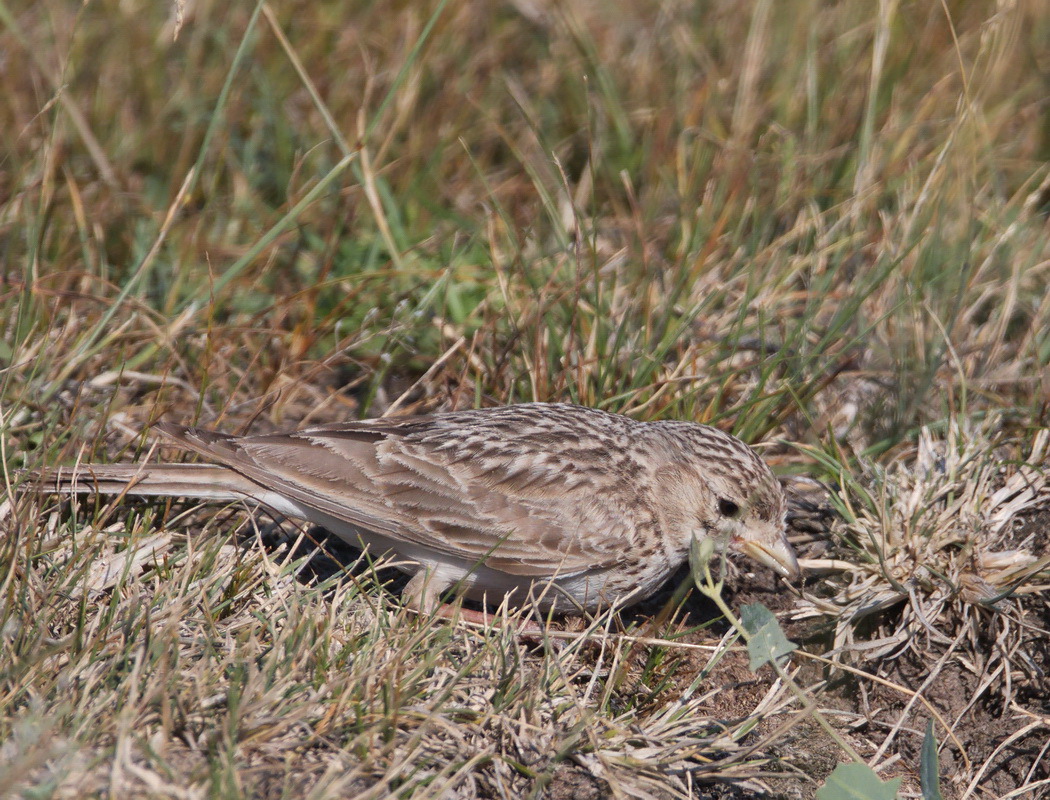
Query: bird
[{"x": 564, "y": 507}]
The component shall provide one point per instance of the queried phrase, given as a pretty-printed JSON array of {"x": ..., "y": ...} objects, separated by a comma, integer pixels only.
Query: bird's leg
[{"x": 423, "y": 594}]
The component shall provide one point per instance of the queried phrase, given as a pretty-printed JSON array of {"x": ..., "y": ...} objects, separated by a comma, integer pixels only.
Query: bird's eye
[{"x": 727, "y": 508}]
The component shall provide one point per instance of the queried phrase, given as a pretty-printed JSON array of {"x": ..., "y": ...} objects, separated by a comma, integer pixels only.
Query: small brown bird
[{"x": 567, "y": 507}]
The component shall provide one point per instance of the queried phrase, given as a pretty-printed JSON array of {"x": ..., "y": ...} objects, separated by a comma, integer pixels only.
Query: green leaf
[
  {"x": 700, "y": 554},
  {"x": 766, "y": 641},
  {"x": 857, "y": 782},
  {"x": 929, "y": 766}
]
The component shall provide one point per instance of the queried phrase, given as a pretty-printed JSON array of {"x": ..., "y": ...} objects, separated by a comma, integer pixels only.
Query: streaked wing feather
[
  {"x": 306, "y": 487},
  {"x": 493, "y": 506}
]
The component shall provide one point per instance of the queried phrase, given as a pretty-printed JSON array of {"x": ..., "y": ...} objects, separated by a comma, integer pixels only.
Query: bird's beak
[{"x": 779, "y": 556}]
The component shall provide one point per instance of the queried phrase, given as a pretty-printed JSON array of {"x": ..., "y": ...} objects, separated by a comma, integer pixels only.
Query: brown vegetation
[{"x": 823, "y": 227}]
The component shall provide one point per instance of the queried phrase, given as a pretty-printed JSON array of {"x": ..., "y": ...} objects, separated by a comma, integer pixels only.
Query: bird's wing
[{"x": 519, "y": 504}]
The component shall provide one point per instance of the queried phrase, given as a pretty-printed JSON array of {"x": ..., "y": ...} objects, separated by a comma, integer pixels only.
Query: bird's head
[
  {"x": 748, "y": 517},
  {"x": 726, "y": 492}
]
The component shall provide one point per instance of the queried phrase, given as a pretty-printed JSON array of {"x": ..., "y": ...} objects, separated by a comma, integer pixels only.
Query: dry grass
[{"x": 817, "y": 226}]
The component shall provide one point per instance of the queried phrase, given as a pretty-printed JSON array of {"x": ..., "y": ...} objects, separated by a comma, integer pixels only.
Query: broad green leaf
[
  {"x": 929, "y": 766},
  {"x": 766, "y": 641},
  {"x": 857, "y": 782}
]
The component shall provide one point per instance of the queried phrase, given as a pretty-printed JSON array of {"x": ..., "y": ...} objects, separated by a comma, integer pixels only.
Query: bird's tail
[{"x": 203, "y": 481}]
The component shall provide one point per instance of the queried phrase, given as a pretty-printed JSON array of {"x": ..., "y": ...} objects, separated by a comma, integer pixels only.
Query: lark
[{"x": 562, "y": 506}]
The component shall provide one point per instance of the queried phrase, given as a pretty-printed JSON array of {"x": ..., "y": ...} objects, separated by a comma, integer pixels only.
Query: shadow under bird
[{"x": 563, "y": 506}]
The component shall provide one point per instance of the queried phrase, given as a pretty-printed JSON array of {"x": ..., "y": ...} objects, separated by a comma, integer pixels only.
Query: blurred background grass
[{"x": 709, "y": 209}]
